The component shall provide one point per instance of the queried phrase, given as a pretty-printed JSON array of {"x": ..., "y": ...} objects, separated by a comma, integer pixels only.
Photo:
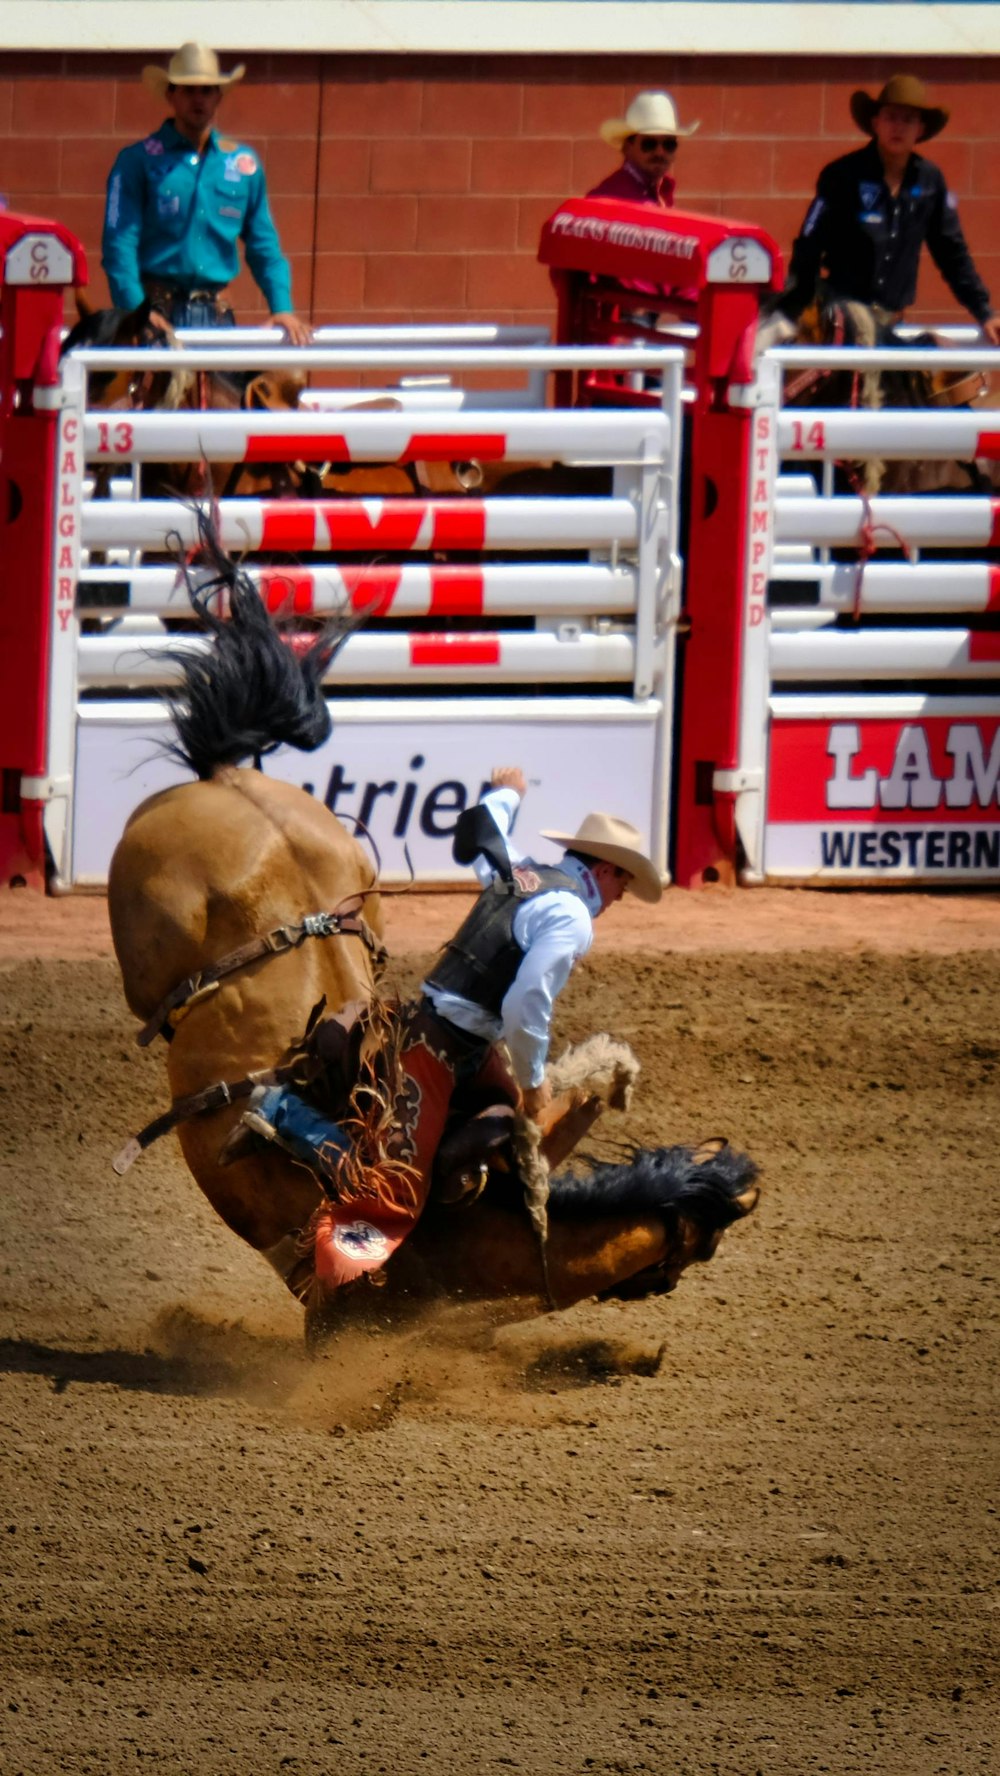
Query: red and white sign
[{"x": 880, "y": 797}]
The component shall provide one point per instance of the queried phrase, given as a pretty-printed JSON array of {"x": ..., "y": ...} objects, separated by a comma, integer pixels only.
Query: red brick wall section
[{"x": 414, "y": 188}]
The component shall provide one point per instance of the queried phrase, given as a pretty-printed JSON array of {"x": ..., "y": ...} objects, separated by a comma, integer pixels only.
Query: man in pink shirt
[{"x": 647, "y": 138}]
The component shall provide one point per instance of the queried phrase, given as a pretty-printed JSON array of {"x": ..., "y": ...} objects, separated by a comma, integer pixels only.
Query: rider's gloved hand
[
  {"x": 508, "y": 777},
  {"x": 534, "y": 1099}
]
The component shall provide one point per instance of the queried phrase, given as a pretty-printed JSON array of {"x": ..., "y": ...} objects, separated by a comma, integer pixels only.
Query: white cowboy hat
[
  {"x": 193, "y": 65},
  {"x": 650, "y": 114},
  {"x": 614, "y": 841}
]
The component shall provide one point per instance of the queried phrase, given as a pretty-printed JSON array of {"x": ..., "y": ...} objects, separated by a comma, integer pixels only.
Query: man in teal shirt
[{"x": 179, "y": 202}]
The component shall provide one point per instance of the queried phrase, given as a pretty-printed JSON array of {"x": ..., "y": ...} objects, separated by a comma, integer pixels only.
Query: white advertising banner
[
  {"x": 404, "y": 772},
  {"x": 908, "y": 795}
]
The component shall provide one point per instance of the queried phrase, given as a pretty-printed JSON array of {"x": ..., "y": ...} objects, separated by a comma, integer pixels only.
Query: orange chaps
[{"x": 358, "y": 1236}]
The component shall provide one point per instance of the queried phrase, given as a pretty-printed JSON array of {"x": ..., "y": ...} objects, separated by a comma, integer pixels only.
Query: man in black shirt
[{"x": 874, "y": 209}]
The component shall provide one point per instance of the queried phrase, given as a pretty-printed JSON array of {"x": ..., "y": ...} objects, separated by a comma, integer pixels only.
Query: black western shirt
[{"x": 868, "y": 242}]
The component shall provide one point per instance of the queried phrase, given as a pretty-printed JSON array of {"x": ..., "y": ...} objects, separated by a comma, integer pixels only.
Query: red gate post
[
  {"x": 613, "y": 263},
  {"x": 39, "y": 259}
]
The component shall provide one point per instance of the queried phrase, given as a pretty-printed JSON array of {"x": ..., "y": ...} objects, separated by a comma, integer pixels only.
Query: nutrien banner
[{"x": 402, "y": 774}]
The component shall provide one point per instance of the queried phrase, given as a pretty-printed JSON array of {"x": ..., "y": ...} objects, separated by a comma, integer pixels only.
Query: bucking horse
[{"x": 246, "y": 917}]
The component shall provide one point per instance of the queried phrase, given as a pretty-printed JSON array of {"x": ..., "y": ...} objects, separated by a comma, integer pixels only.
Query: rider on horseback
[
  {"x": 497, "y": 979},
  {"x": 179, "y": 201},
  {"x": 873, "y": 211}
]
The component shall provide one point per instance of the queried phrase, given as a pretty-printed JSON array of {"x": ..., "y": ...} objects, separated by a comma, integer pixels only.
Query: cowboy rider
[
  {"x": 498, "y": 979},
  {"x": 646, "y": 138},
  {"x": 875, "y": 208},
  {"x": 179, "y": 202}
]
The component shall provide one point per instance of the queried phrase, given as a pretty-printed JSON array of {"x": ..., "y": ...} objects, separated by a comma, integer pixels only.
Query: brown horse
[{"x": 211, "y": 891}]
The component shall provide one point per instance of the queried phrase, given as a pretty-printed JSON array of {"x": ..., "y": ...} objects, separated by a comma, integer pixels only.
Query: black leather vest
[{"x": 481, "y": 960}]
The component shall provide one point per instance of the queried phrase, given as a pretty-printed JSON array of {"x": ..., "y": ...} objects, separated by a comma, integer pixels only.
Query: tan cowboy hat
[
  {"x": 902, "y": 89},
  {"x": 614, "y": 841},
  {"x": 193, "y": 65},
  {"x": 650, "y": 114}
]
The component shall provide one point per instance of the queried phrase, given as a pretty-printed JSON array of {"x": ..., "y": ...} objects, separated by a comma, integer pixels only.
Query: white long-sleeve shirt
[{"x": 554, "y": 930}]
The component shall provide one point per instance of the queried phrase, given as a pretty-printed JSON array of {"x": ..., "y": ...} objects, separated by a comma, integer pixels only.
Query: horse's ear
[
  {"x": 709, "y": 1149},
  {"x": 84, "y": 307},
  {"x": 747, "y": 1201}
]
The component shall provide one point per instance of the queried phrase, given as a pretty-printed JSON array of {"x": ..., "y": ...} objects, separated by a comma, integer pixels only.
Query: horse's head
[
  {"x": 698, "y": 1192},
  {"x": 141, "y": 327}
]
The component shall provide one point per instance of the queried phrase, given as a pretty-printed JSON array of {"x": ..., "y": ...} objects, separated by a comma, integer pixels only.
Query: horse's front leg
[{"x": 564, "y": 1122}]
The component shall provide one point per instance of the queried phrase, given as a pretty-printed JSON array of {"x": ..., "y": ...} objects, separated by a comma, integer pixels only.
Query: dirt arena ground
[{"x": 776, "y": 1554}]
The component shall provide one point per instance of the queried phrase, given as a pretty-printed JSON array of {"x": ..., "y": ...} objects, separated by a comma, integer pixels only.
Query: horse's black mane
[
  {"x": 659, "y": 1179},
  {"x": 99, "y": 328},
  {"x": 250, "y": 693}
]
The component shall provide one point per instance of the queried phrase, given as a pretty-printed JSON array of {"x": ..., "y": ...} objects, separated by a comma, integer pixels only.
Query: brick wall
[{"x": 414, "y": 188}]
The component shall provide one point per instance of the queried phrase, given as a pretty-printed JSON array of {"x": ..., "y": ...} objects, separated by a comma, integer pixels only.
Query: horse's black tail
[{"x": 250, "y": 692}]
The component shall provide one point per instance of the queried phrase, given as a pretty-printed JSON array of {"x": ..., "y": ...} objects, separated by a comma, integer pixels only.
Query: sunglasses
[{"x": 649, "y": 143}]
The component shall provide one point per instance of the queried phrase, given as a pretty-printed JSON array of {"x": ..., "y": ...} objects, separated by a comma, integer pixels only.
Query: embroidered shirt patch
[{"x": 361, "y": 1241}]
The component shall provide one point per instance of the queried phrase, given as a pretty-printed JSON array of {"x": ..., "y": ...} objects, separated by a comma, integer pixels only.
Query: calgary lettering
[{"x": 974, "y": 779}]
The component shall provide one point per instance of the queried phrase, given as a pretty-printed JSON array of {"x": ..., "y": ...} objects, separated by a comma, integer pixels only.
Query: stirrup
[
  {"x": 252, "y": 1127},
  {"x": 279, "y": 1117}
]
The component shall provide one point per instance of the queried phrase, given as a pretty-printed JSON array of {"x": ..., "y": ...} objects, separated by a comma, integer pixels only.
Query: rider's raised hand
[{"x": 508, "y": 777}]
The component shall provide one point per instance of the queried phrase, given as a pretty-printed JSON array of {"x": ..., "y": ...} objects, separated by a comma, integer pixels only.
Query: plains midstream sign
[{"x": 898, "y": 29}]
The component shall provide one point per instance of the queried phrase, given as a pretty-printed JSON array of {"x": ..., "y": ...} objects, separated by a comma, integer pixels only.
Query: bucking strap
[{"x": 197, "y": 987}]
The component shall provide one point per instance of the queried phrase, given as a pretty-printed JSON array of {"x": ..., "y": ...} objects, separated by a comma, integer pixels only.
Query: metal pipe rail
[
  {"x": 463, "y": 333},
  {"x": 891, "y": 586},
  {"x": 566, "y": 435},
  {"x": 307, "y": 357},
  {"x": 922, "y": 522},
  {"x": 899, "y": 435},
  {"x": 883, "y": 654},
  {"x": 883, "y": 357},
  {"x": 398, "y": 524},
  {"x": 545, "y": 590},
  {"x": 114, "y": 662}
]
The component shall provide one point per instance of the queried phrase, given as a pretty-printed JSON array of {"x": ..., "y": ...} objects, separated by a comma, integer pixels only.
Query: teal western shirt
[{"x": 177, "y": 215}]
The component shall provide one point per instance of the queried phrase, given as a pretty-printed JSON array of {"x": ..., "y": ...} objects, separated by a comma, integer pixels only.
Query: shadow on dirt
[{"x": 362, "y": 1382}]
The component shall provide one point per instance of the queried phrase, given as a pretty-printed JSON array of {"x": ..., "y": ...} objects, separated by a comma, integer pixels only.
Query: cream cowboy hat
[
  {"x": 902, "y": 89},
  {"x": 193, "y": 65},
  {"x": 614, "y": 841},
  {"x": 650, "y": 114}
]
